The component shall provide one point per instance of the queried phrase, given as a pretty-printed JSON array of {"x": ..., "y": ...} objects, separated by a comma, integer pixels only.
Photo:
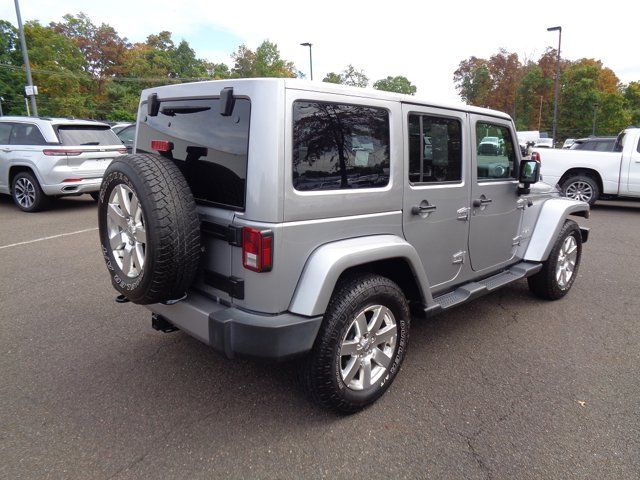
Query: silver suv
[
  {"x": 42, "y": 158},
  {"x": 274, "y": 218}
]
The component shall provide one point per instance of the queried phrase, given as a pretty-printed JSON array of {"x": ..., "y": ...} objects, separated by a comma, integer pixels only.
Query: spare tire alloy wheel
[
  {"x": 126, "y": 230},
  {"x": 367, "y": 347}
]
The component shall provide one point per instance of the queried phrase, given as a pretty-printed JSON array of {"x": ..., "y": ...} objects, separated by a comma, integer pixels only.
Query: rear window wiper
[
  {"x": 90, "y": 143},
  {"x": 172, "y": 111}
]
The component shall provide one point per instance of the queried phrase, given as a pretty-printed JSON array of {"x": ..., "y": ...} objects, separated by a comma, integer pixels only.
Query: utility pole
[
  {"x": 540, "y": 114},
  {"x": 555, "y": 95},
  {"x": 307, "y": 44},
  {"x": 25, "y": 58}
]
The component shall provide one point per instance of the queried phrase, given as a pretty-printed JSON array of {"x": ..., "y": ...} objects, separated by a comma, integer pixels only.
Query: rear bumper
[
  {"x": 86, "y": 185},
  {"x": 237, "y": 333}
]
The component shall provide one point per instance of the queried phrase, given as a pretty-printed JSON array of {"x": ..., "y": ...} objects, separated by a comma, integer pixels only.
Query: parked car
[
  {"x": 117, "y": 127},
  {"x": 587, "y": 175},
  {"x": 598, "y": 144},
  {"x": 568, "y": 142},
  {"x": 127, "y": 134},
  {"x": 278, "y": 218},
  {"x": 42, "y": 158},
  {"x": 543, "y": 143}
]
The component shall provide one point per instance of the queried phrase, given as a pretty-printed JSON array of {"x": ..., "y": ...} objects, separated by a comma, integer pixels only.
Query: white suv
[{"x": 51, "y": 157}]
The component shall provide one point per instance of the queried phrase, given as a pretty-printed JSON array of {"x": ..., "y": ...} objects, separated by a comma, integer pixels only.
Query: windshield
[{"x": 87, "y": 135}]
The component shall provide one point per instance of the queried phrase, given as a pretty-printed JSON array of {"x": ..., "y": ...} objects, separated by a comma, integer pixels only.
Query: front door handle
[
  {"x": 423, "y": 208},
  {"x": 479, "y": 202}
]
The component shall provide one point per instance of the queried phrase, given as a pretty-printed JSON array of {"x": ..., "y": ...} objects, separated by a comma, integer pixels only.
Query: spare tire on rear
[{"x": 149, "y": 228}]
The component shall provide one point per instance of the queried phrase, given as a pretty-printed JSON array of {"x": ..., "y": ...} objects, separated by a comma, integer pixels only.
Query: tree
[
  {"x": 473, "y": 81},
  {"x": 632, "y": 98},
  {"x": 264, "y": 62},
  {"x": 332, "y": 77},
  {"x": 12, "y": 78},
  {"x": 350, "y": 76},
  {"x": 398, "y": 84}
]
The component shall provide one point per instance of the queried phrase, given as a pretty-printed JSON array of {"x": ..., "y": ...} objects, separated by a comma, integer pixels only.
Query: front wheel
[
  {"x": 361, "y": 344},
  {"x": 559, "y": 271}
]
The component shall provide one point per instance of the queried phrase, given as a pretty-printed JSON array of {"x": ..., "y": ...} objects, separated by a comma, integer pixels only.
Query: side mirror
[{"x": 529, "y": 173}]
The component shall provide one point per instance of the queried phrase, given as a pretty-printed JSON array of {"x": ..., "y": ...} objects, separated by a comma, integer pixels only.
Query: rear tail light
[
  {"x": 536, "y": 156},
  {"x": 257, "y": 249},
  {"x": 68, "y": 180},
  {"x": 161, "y": 145},
  {"x": 61, "y": 152}
]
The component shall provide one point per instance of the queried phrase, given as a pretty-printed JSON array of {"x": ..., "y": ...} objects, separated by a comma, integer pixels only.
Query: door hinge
[
  {"x": 521, "y": 203},
  {"x": 463, "y": 213},
  {"x": 517, "y": 240},
  {"x": 458, "y": 257}
]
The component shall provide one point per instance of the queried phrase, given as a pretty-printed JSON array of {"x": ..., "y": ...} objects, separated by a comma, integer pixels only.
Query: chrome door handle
[
  {"x": 479, "y": 202},
  {"x": 423, "y": 208}
]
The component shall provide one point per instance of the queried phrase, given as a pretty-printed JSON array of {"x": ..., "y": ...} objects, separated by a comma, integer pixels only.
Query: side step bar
[{"x": 472, "y": 290}]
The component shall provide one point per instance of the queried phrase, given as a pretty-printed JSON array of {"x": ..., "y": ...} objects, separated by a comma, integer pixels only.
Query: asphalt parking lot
[{"x": 508, "y": 387}]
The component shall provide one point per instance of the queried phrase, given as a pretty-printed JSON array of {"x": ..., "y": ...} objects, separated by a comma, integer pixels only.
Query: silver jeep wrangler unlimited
[{"x": 276, "y": 218}]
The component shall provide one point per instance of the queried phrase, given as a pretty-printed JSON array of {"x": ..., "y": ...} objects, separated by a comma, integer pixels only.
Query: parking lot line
[{"x": 48, "y": 238}]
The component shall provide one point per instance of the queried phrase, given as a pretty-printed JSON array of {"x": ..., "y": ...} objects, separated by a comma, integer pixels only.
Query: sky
[{"x": 421, "y": 40}]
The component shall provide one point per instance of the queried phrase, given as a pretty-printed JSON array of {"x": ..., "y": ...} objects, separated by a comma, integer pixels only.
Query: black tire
[
  {"x": 577, "y": 180},
  {"x": 36, "y": 200},
  {"x": 172, "y": 248},
  {"x": 321, "y": 373},
  {"x": 95, "y": 196},
  {"x": 544, "y": 284}
]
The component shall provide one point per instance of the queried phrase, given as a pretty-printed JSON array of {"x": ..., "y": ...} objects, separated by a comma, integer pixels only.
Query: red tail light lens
[
  {"x": 61, "y": 152},
  {"x": 257, "y": 249},
  {"x": 161, "y": 145},
  {"x": 536, "y": 156}
]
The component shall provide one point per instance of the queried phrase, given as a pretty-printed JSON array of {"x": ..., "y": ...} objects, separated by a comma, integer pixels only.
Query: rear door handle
[
  {"x": 423, "y": 208},
  {"x": 479, "y": 202}
]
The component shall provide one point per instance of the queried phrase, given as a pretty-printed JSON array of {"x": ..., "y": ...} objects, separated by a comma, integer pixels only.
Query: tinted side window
[
  {"x": 26, "y": 134},
  {"x": 127, "y": 134},
  {"x": 211, "y": 150},
  {"x": 435, "y": 149},
  {"x": 496, "y": 152},
  {"x": 5, "y": 132},
  {"x": 339, "y": 146}
]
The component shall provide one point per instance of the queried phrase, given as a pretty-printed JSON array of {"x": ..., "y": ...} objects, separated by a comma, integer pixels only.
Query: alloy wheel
[
  {"x": 366, "y": 351},
  {"x": 25, "y": 192},
  {"x": 567, "y": 258},
  {"x": 126, "y": 229},
  {"x": 580, "y": 191}
]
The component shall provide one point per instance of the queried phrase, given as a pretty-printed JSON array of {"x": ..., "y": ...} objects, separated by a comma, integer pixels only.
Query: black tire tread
[
  {"x": 543, "y": 284},
  {"x": 316, "y": 373}
]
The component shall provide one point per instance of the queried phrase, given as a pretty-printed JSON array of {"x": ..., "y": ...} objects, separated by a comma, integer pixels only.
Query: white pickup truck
[{"x": 588, "y": 176}]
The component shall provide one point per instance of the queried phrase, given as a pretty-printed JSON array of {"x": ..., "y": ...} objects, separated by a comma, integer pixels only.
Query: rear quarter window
[
  {"x": 5, "y": 132},
  {"x": 339, "y": 146},
  {"x": 26, "y": 134},
  {"x": 210, "y": 149}
]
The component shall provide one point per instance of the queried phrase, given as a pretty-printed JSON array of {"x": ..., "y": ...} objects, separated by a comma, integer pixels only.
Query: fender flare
[
  {"x": 329, "y": 261},
  {"x": 551, "y": 218}
]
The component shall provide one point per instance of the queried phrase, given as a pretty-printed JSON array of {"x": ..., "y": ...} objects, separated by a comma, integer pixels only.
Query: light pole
[
  {"x": 307, "y": 44},
  {"x": 1, "y": 100},
  {"x": 25, "y": 58},
  {"x": 555, "y": 95},
  {"x": 595, "y": 109}
]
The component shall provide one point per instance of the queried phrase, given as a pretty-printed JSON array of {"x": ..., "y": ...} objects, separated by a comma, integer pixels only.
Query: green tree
[
  {"x": 350, "y": 76},
  {"x": 12, "y": 79},
  {"x": 398, "y": 84},
  {"x": 632, "y": 98},
  {"x": 332, "y": 77},
  {"x": 264, "y": 62}
]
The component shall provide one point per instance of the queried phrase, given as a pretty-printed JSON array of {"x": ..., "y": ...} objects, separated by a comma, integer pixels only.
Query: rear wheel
[
  {"x": 561, "y": 268},
  {"x": 360, "y": 346},
  {"x": 581, "y": 187},
  {"x": 27, "y": 193}
]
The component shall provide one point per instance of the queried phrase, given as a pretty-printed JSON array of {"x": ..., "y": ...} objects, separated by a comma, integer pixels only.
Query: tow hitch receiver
[{"x": 161, "y": 324}]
